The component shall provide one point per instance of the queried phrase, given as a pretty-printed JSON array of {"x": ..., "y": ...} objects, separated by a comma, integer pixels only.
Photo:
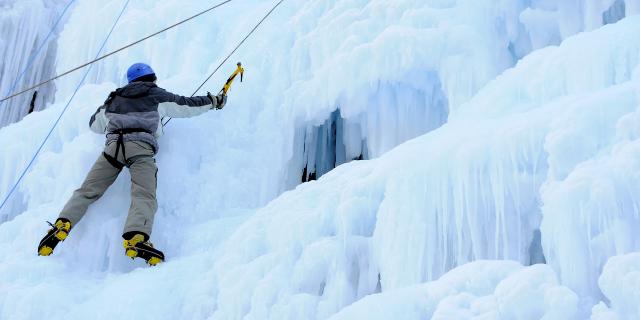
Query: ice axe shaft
[{"x": 227, "y": 85}]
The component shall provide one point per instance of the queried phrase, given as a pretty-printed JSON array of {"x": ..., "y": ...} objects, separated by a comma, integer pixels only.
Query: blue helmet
[{"x": 138, "y": 70}]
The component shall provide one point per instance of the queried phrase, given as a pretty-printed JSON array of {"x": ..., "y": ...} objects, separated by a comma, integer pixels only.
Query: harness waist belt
[
  {"x": 129, "y": 130},
  {"x": 120, "y": 143}
]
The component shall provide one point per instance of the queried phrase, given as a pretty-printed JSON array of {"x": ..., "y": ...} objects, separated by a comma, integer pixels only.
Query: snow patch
[{"x": 479, "y": 289}]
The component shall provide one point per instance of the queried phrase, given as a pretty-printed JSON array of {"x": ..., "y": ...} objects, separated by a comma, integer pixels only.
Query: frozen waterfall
[
  {"x": 29, "y": 53},
  {"x": 496, "y": 173}
]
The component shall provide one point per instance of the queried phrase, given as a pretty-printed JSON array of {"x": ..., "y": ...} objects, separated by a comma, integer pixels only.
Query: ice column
[{"x": 24, "y": 25}]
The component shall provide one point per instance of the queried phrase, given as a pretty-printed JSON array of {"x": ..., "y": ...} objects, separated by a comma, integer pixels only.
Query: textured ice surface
[
  {"x": 548, "y": 145},
  {"x": 24, "y": 26},
  {"x": 476, "y": 290},
  {"x": 620, "y": 283}
]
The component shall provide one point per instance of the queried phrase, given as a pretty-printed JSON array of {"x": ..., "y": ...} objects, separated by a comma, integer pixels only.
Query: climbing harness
[
  {"x": 115, "y": 51},
  {"x": 113, "y": 160}
]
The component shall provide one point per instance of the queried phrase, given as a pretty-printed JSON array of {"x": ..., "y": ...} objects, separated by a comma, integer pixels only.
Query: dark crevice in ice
[
  {"x": 324, "y": 148},
  {"x": 615, "y": 13},
  {"x": 536, "y": 254},
  {"x": 394, "y": 113}
]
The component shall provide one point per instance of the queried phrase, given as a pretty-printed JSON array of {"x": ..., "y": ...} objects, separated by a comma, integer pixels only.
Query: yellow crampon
[
  {"x": 130, "y": 246},
  {"x": 63, "y": 229},
  {"x": 227, "y": 85},
  {"x": 154, "y": 261},
  {"x": 45, "y": 251},
  {"x": 60, "y": 231},
  {"x": 132, "y": 250}
]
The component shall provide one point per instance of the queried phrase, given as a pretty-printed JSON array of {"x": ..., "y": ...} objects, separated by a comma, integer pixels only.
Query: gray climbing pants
[{"x": 143, "y": 186}]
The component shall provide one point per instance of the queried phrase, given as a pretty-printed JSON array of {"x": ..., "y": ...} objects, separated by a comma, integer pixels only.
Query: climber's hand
[
  {"x": 222, "y": 100},
  {"x": 218, "y": 101}
]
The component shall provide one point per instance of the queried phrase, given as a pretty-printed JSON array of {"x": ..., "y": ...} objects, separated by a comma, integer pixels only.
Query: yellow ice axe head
[{"x": 227, "y": 85}]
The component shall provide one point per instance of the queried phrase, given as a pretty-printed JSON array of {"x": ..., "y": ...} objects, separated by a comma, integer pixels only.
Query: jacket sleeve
[
  {"x": 176, "y": 106},
  {"x": 98, "y": 122}
]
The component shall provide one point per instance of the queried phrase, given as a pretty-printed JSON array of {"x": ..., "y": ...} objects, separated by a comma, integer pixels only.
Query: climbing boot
[
  {"x": 58, "y": 232},
  {"x": 137, "y": 246}
]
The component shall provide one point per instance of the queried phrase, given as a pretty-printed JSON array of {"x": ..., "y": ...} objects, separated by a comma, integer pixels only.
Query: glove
[
  {"x": 222, "y": 100},
  {"x": 218, "y": 101}
]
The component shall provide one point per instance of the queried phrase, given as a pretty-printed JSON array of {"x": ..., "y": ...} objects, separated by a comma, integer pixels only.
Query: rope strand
[
  {"x": 22, "y": 175},
  {"x": 115, "y": 51},
  {"x": 55, "y": 124},
  {"x": 37, "y": 53},
  {"x": 232, "y": 52}
]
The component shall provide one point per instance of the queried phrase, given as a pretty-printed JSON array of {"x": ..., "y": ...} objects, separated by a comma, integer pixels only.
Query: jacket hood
[{"x": 135, "y": 89}]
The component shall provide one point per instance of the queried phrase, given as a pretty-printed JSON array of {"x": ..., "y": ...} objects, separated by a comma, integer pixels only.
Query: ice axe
[{"x": 227, "y": 85}]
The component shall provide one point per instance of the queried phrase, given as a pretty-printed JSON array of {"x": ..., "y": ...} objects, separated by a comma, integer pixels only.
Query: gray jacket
[{"x": 142, "y": 105}]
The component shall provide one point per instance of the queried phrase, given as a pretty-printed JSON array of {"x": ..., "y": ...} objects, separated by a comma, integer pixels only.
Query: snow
[
  {"x": 620, "y": 283},
  {"x": 478, "y": 136},
  {"x": 478, "y": 290}
]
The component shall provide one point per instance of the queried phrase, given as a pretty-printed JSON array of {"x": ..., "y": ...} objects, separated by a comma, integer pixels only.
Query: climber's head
[{"x": 140, "y": 72}]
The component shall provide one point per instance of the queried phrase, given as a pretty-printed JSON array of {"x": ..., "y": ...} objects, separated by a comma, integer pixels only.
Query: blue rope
[
  {"x": 37, "y": 53},
  {"x": 24, "y": 172}
]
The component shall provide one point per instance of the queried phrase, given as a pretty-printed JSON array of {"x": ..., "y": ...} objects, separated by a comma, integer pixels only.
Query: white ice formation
[
  {"x": 501, "y": 147},
  {"x": 28, "y": 32}
]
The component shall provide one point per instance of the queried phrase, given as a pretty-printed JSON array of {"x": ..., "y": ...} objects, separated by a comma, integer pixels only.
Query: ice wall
[
  {"x": 474, "y": 188},
  {"x": 423, "y": 50},
  {"x": 581, "y": 208},
  {"x": 431, "y": 57},
  {"x": 24, "y": 27},
  {"x": 480, "y": 289},
  {"x": 395, "y": 112},
  {"x": 619, "y": 283},
  {"x": 591, "y": 210},
  {"x": 551, "y": 21}
]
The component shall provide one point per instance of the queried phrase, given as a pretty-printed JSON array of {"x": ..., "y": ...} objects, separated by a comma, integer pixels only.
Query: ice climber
[{"x": 131, "y": 119}]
